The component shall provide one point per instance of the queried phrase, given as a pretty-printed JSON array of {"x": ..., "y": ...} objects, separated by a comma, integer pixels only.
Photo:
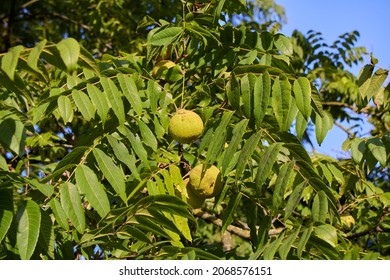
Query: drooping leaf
[
  {"x": 12, "y": 134},
  {"x": 28, "y": 221},
  {"x": 303, "y": 240},
  {"x": 376, "y": 82},
  {"x": 69, "y": 50},
  {"x": 147, "y": 135},
  {"x": 281, "y": 183},
  {"x": 84, "y": 104},
  {"x": 261, "y": 96},
  {"x": 238, "y": 132},
  {"x": 265, "y": 165},
  {"x": 283, "y": 44},
  {"x": 233, "y": 92},
  {"x": 46, "y": 235},
  {"x": 358, "y": 147},
  {"x": 35, "y": 54},
  {"x": 285, "y": 248},
  {"x": 281, "y": 101},
  {"x": 65, "y": 108},
  {"x": 10, "y": 61},
  {"x": 165, "y": 36},
  {"x": 323, "y": 125},
  {"x": 230, "y": 210},
  {"x": 6, "y": 211},
  {"x": 327, "y": 233},
  {"x": 99, "y": 101},
  {"x": 247, "y": 86},
  {"x": 114, "y": 98},
  {"x": 320, "y": 207},
  {"x": 378, "y": 150},
  {"x": 302, "y": 93},
  {"x": 137, "y": 146},
  {"x": 294, "y": 199},
  {"x": 246, "y": 153},
  {"x": 130, "y": 91},
  {"x": 71, "y": 203},
  {"x": 94, "y": 191},
  {"x": 112, "y": 172},
  {"x": 272, "y": 248},
  {"x": 59, "y": 213}
]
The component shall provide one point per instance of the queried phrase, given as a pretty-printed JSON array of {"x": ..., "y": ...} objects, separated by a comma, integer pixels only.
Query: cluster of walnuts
[{"x": 185, "y": 127}]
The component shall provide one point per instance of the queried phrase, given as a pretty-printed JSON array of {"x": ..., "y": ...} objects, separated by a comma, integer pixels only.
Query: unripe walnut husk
[
  {"x": 205, "y": 183},
  {"x": 185, "y": 126},
  {"x": 191, "y": 198}
]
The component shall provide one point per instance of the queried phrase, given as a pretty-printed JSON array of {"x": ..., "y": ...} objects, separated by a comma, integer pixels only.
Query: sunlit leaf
[
  {"x": 69, "y": 50},
  {"x": 71, "y": 203}
]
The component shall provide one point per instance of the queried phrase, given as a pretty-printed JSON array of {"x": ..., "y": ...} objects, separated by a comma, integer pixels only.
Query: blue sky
[{"x": 333, "y": 18}]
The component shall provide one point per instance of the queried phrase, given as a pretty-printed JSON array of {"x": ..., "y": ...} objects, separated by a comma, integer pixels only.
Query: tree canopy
[{"x": 89, "y": 169}]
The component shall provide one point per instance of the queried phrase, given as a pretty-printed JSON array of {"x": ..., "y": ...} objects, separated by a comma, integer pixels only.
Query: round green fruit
[
  {"x": 205, "y": 183},
  {"x": 185, "y": 126},
  {"x": 194, "y": 200}
]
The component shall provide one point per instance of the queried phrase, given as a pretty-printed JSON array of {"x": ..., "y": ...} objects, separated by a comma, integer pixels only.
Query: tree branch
[{"x": 243, "y": 232}]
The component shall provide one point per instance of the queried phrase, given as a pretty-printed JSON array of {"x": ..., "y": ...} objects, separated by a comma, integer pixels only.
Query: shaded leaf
[
  {"x": 100, "y": 102},
  {"x": 327, "y": 233},
  {"x": 130, "y": 91},
  {"x": 6, "y": 211},
  {"x": 230, "y": 210},
  {"x": 281, "y": 183},
  {"x": 302, "y": 93},
  {"x": 261, "y": 96},
  {"x": 71, "y": 203},
  {"x": 246, "y": 153},
  {"x": 281, "y": 101},
  {"x": 114, "y": 98},
  {"x": 94, "y": 191},
  {"x": 59, "y": 213},
  {"x": 285, "y": 248},
  {"x": 265, "y": 165},
  {"x": 320, "y": 207},
  {"x": 28, "y": 220}
]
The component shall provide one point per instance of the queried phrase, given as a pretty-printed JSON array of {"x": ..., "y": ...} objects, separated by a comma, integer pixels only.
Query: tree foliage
[{"x": 88, "y": 169}]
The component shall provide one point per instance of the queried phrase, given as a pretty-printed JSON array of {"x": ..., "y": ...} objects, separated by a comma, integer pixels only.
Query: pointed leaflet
[
  {"x": 294, "y": 199},
  {"x": 300, "y": 125},
  {"x": 376, "y": 82},
  {"x": 69, "y": 50},
  {"x": 320, "y": 207},
  {"x": 130, "y": 91},
  {"x": 123, "y": 154},
  {"x": 35, "y": 54},
  {"x": 246, "y": 153},
  {"x": 28, "y": 220},
  {"x": 283, "y": 44},
  {"x": 10, "y": 61},
  {"x": 247, "y": 85},
  {"x": 46, "y": 235},
  {"x": 84, "y": 104},
  {"x": 112, "y": 172},
  {"x": 71, "y": 203},
  {"x": 115, "y": 98},
  {"x": 12, "y": 134},
  {"x": 217, "y": 144},
  {"x": 233, "y": 92},
  {"x": 261, "y": 96},
  {"x": 265, "y": 165},
  {"x": 282, "y": 180},
  {"x": 65, "y": 108},
  {"x": 302, "y": 93},
  {"x": 165, "y": 36},
  {"x": 323, "y": 125},
  {"x": 99, "y": 100},
  {"x": 238, "y": 132},
  {"x": 137, "y": 146},
  {"x": 59, "y": 213},
  {"x": 364, "y": 79},
  {"x": 284, "y": 249},
  {"x": 378, "y": 150},
  {"x": 147, "y": 135},
  {"x": 94, "y": 191},
  {"x": 230, "y": 210},
  {"x": 272, "y": 248},
  {"x": 303, "y": 240},
  {"x": 327, "y": 233},
  {"x": 6, "y": 211},
  {"x": 281, "y": 101}
]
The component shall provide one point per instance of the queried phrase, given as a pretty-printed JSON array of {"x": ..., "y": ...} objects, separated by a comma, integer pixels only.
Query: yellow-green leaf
[{"x": 69, "y": 50}]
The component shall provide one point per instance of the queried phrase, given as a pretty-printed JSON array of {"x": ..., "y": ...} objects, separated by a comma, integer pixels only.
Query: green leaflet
[
  {"x": 246, "y": 153},
  {"x": 113, "y": 173},
  {"x": 69, "y": 50},
  {"x": 378, "y": 150},
  {"x": 6, "y": 211},
  {"x": 323, "y": 125},
  {"x": 35, "y": 54},
  {"x": 71, "y": 203},
  {"x": 84, "y": 104},
  {"x": 283, "y": 44},
  {"x": 281, "y": 101},
  {"x": 302, "y": 93},
  {"x": 281, "y": 183},
  {"x": 261, "y": 96},
  {"x": 47, "y": 237},
  {"x": 114, "y": 97},
  {"x": 327, "y": 233},
  {"x": 94, "y": 191},
  {"x": 233, "y": 92},
  {"x": 12, "y": 133},
  {"x": 294, "y": 199},
  {"x": 59, "y": 213},
  {"x": 265, "y": 165},
  {"x": 10, "y": 61},
  {"x": 230, "y": 210},
  {"x": 165, "y": 36},
  {"x": 99, "y": 101},
  {"x": 238, "y": 132},
  {"x": 65, "y": 108},
  {"x": 147, "y": 135},
  {"x": 28, "y": 221},
  {"x": 320, "y": 207},
  {"x": 285, "y": 248},
  {"x": 130, "y": 90}
]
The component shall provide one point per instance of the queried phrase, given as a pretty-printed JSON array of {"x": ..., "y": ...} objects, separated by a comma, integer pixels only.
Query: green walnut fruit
[
  {"x": 194, "y": 200},
  {"x": 205, "y": 183},
  {"x": 347, "y": 221},
  {"x": 185, "y": 126}
]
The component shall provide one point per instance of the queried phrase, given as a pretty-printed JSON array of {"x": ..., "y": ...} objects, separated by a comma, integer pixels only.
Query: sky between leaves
[{"x": 333, "y": 18}]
